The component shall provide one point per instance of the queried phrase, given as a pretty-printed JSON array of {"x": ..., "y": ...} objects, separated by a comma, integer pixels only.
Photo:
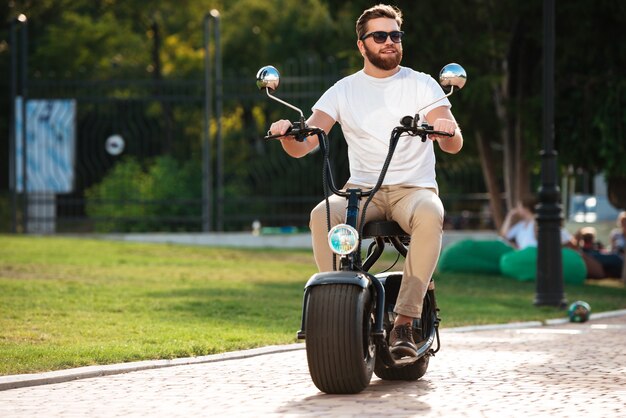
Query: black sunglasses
[{"x": 380, "y": 36}]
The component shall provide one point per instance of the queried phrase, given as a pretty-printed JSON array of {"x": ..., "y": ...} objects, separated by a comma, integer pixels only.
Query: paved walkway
[{"x": 560, "y": 370}]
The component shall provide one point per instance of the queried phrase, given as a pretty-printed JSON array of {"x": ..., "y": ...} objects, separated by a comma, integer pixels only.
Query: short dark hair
[
  {"x": 529, "y": 201},
  {"x": 380, "y": 10}
]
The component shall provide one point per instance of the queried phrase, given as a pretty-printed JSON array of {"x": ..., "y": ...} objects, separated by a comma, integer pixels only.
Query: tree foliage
[
  {"x": 158, "y": 197},
  {"x": 498, "y": 41}
]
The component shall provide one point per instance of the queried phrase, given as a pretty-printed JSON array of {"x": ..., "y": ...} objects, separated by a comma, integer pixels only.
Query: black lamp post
[
  {"x": 549, "y": 268},
  {"x": 19, "y": 77},
  {"x": 211, "y": 19}
]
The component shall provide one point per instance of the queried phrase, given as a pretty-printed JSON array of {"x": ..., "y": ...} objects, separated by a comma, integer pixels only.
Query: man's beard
[{"x": 384, "y": 61}]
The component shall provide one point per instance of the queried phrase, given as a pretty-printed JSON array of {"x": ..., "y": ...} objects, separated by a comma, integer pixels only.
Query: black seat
[
  {"x": 382, "y": 232},
  {"x": 383, "y": 229}
]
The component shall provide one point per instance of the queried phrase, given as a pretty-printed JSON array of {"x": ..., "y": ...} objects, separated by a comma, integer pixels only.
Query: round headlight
[{"x": 343, "y": 239}]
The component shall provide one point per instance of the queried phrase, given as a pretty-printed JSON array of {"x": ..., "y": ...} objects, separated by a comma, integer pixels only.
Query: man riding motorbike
[{"x": 368, "y": 105}]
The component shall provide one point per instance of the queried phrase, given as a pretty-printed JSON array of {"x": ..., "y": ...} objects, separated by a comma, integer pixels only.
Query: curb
[
  {"x": 531, "y": 324},
  {"x": 61, "y": 376}
]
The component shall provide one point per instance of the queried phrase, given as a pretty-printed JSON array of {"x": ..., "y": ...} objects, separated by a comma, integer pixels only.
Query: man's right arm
[{"x": 297, "y": 149}]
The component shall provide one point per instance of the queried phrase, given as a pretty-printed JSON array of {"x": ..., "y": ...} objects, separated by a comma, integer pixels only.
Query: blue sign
[{"x": 50, "y": 145}]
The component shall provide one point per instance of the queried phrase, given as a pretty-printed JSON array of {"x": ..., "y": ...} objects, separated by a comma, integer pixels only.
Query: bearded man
[{"x": 368, "y": 105}]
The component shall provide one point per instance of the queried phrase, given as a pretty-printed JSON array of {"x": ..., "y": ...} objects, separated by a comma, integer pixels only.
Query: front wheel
[{"x": 339, "y": 347}]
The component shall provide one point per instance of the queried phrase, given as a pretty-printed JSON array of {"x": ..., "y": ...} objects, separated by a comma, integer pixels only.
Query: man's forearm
[{"x": 296, "y": 149}]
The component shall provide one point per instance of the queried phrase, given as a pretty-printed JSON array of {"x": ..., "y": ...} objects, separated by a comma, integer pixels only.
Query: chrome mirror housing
[
  {"x": 268, "y": 77},
  {"x": 453, "y": 75}
]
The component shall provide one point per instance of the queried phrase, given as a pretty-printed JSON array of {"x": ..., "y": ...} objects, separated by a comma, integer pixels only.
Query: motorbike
[{"x": 348, "y": 313}]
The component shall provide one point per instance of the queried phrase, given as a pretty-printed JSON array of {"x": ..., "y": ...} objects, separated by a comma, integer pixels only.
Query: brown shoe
[{"x": 401, "y": 342}]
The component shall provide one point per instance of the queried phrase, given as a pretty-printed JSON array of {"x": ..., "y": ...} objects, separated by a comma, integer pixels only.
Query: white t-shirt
[
  {"x": 523, "y": 233},
  {"x": 368, "y": 108}
]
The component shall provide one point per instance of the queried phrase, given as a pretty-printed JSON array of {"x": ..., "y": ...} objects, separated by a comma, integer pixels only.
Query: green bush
[{"x": 163, "y": 196}]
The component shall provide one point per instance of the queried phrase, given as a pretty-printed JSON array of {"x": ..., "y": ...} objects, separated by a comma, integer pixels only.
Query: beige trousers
[{"x": 417, "y": 210}]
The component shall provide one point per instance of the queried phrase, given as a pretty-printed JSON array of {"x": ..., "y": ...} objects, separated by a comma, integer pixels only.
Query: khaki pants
[{"x": 417, "y": 210}]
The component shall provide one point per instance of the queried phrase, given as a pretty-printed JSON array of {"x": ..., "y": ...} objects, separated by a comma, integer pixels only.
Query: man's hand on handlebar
[
  {"x": 443, "y": 125},
  {"x": 443, "y": 121},
  {"x": 280, "y": 127}
]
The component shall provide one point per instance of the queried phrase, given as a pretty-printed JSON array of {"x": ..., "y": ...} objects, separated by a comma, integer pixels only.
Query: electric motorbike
[{"x": 348, "y": 313}]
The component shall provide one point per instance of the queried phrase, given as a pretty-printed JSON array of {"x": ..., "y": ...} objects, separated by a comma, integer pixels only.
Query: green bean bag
[
  {"x": 473, "y": 256},
  {"x": 522, "y": 265}
]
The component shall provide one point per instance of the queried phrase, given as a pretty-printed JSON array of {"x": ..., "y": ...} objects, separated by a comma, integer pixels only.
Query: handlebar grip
[
  {"x": 429, "y": 130},
  {"x": 442, "y": 133},
  {"x": 276, "y": 136}
]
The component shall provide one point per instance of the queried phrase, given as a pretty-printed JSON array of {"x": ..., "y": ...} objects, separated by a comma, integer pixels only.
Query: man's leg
[
  {"x": 419, "y": 212},
  {"x": 319, "y": 228}
]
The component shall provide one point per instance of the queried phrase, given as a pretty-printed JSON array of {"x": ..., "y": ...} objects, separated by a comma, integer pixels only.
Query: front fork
[{"x": 351, "y": 262}]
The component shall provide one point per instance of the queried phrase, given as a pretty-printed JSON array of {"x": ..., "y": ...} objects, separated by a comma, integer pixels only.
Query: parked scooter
[{"x": 347, "y": 314}]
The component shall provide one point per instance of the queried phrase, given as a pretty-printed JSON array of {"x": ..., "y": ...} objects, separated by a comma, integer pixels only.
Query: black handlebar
[
  {"x": 300, "y": 131},
  {"x": 409, "y": 125}
]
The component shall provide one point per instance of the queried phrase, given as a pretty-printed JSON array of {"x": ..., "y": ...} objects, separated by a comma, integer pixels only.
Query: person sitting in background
[
  {"x": 617, "y": 239},
  {"x": 586, "y": 239},
  {"x": 611, "y": 262},
  {"x": 520, "y": 229},
  {"x": 618, "y": 235}
]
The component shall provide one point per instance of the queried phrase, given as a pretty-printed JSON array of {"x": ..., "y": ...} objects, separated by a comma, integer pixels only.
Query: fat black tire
[{"x": 339, "y": 347}]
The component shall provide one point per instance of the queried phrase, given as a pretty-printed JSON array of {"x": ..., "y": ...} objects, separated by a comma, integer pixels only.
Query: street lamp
[
  {"x": 212, "y": 19},
  {"x": 18, "y": 70},
  {"x": 549, "y": 290}
]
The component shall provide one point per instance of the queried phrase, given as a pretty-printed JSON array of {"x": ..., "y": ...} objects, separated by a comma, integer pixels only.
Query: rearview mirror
[
  {"x": 453, "y": 75},
  {"x": 268, "y": 77}
]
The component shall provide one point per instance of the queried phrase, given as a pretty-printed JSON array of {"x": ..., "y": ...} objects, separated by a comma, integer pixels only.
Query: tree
[
  {"x": 591, "y": 90},
  {"x": 498, "y": 41}
]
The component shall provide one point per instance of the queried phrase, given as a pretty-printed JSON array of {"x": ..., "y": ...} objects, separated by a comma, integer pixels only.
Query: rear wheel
[
  {"x": 339, "y": 347},
  {"x": 411, "y": 372},
  {"x": 418, "y": 369}
]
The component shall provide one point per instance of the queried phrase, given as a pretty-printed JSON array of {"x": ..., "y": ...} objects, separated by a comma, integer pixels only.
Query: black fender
[
  {"x": 356, "y": 278},
  {"x": 339, "y": 277}
]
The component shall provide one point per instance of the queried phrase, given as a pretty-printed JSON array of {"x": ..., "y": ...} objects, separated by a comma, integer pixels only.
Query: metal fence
[
  {"x": 116, "y": 123},
  {"x": 178, "y": 155},
  {"x": 136, "y": 155}
]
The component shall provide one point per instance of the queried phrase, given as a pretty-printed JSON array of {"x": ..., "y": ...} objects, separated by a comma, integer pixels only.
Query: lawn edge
[{"x": 60, "y": 376}]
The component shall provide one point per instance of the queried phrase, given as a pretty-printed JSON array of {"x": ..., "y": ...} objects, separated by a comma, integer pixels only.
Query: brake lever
[
  {"x": 429, "y": 130},
  {"x": 296, "y": 130},
  {"x": 276, "y": 136}
]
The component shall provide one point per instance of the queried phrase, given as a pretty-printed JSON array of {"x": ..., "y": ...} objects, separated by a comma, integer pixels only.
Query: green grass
[{"x": 75, "y": 302}]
